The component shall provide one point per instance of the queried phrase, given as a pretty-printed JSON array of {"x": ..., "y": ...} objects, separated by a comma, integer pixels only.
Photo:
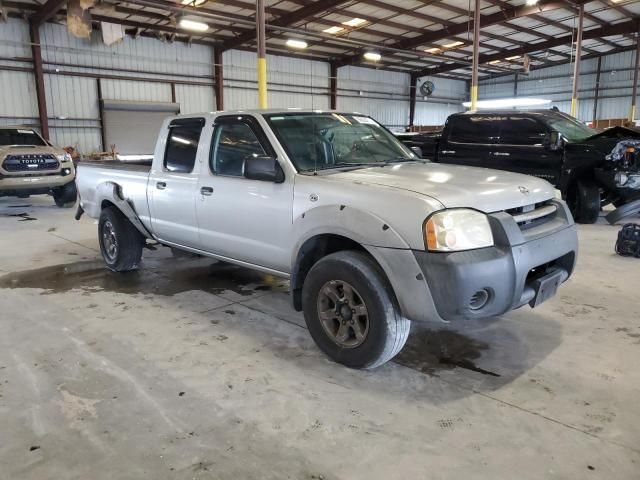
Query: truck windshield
[
  {"x": 320, "y": 141},
  {"x": 571, "y": 129},
  {"x": 18, "y": 136}
]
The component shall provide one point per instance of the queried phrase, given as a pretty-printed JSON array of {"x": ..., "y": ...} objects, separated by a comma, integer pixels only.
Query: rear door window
[
  {"x": 518, "y": 130},
  {"x": 182, "y": 145},
  {"x": 480, "y": 129}
]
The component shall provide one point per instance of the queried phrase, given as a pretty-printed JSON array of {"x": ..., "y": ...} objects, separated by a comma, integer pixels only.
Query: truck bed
[
  {"x": 132, "y": 166},
  {"x": 131, "y": 178}
]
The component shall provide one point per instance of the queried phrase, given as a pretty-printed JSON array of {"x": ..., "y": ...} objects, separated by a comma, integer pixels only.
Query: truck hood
[
  {"x": 592, "y": 151},
  {"x": 28, "y": 149},
  {"x": 457, "y": 186}
]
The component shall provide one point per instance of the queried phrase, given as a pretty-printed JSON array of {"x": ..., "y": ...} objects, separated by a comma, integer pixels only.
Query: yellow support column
[
  {"x": 262, "y": 82},
  {"x": 634, "y": 90},
  {"x": 262, "y": 55},
  {"x": 576, "y": 71},
  {"x": 476, "y": 56}
]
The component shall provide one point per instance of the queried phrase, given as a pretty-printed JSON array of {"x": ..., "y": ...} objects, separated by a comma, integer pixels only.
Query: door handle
[
  {"x": 448, "y": 152},
  {"x": 161, "y": 185},
  {"x": 208, "y": 191},
  {"x": 501, "y": 154}
]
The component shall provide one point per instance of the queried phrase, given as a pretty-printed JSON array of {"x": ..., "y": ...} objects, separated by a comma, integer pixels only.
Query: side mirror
[
  {"x": 266, "y": 169},
  {"x": 417, "y": 150},
  {"x": 553, "y": 141}
]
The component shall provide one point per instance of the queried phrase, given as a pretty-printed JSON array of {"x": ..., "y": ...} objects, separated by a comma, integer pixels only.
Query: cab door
[
  {"x": 243, "y": 219},
  {"x": 521, "y": 148},
  {"x": 173, "y": 181},
  {"x": 469, "y": 141}
]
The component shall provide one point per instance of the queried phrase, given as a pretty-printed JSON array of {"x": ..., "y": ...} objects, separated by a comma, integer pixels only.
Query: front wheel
[
  {"x": 583, "y": 199},
  {"x": 65, "y": 196},
  {"x": 120, "y": 242},
  {"x": 351, "y": 312}
]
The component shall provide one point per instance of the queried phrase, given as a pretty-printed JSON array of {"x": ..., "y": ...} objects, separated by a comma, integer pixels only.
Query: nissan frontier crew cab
[
  {"x": 371, "y": 236},
  {"x": 29, "y": 165}
]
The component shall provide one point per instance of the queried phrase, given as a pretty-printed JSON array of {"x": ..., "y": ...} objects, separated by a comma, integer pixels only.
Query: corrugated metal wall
[
  {"x": 383, "y": 95},
  {"x": 446, "y": 99},
  {"x": 18, "y": 103},
  {"x": 555, "y": 83},
  {"x": 144, "y": 69},
  {"x": 139, "y": 69},
  {"x": 292, "y": 82}
]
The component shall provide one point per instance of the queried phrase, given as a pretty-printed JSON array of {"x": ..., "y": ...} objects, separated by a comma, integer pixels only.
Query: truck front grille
[
  {"x": 30, "y": 162},
  {"x": 534, "y": 214}
]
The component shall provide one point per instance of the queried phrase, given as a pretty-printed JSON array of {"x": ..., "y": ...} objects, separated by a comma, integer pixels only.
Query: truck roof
[
  {"x": 265, "y": 111},
  {"x": 540, "y": 112}
]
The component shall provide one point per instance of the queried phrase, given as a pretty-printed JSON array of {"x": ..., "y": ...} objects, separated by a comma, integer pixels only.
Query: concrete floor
[{"x": 192, "y": 369}]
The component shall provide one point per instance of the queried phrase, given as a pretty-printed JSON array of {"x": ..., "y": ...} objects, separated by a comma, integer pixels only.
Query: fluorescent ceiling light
[
  {"x": 193, "y": 3},
  {"x": 299, "y": 44},
  {"x": 453, "y": 45},
  {"x": 194, "y": 25},
  {"x": 433, "y": 50},
  {"x": 510, "y": 102},
  {"x": 493, "y": 62},
  {"x": 531, "y": 2},
  {"x": 354, "y": 22},
  {"x": 373, "y": 56},
  {"x": 333, "y": 30},
  {"x": 515, "y": 57}
]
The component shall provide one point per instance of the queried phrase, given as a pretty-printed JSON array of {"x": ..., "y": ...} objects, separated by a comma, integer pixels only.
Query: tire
[
  {"x": 584, "y": 201},
  {"x": 383, "y": 330},
  {"x": 120, "y": 242},
  {"x": 65, "y": 196}
]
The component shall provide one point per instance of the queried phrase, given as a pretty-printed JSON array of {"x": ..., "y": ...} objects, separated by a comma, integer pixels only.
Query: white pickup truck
[{"x": 370, "y": 236}]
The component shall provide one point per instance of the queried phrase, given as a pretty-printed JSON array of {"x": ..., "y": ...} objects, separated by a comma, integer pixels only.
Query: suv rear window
[
  {"x": 19, "y": 136},
  {"x": 473, "y": 129}
]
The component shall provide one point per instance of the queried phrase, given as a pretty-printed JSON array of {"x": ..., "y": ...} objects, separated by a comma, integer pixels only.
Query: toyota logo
[{"x": 524, "y": 190}]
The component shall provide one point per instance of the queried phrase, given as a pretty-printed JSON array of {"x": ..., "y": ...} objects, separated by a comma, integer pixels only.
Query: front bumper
[
  {"x": 491, "y": 281},
  {"x": 25, "y": 184}
]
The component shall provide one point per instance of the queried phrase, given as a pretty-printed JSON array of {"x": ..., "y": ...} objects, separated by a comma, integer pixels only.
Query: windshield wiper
[
  {"x": 404, "y": 159},
  {"x": 345, "y": 165}
]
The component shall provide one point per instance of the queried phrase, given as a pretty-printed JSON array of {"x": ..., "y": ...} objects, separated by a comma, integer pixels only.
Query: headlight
[
  {"x": 621, "y": 179},
  {"x": 457, "y": 229},
  {"x": 65, "y": 157}
]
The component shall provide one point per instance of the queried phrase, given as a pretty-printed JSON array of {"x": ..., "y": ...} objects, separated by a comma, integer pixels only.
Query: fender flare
[
  {"x": 369, "y": 231},
  {"x": 111, "y": 192},
  {"x": 358, "y": 225}
]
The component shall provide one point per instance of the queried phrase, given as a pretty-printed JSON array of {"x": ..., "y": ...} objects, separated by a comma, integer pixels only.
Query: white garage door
[{"x": 133, "y": 126}]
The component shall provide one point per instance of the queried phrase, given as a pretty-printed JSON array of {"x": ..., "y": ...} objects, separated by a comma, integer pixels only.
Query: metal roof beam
[
  {"x": 459, "y": 28},
  {"x": 604, "y": 31},
  {"x": 287, "y": 20},
  {"x": 47, "y": 12}
]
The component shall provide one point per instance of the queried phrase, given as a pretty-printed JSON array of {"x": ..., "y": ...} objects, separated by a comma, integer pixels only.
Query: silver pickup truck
[{"x": 370, "y": 236}]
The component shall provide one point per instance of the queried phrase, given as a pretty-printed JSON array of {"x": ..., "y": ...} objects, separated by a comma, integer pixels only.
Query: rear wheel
[
  {"x": 120, "y": 242},
  {"x": 584, "y": 201},
  {"x": 351, "y": 312},
  {"x": 66, "y": 195}
]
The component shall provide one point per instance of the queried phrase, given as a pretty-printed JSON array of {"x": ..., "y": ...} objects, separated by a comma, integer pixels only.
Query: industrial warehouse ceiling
[{"x": 425, "y": 37}]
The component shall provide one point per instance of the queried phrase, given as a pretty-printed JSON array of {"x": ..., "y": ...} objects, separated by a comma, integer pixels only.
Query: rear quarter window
[{"x": 479, "y": 129}]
